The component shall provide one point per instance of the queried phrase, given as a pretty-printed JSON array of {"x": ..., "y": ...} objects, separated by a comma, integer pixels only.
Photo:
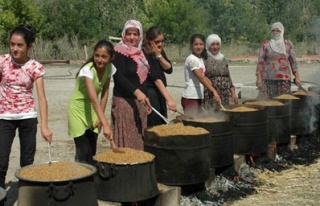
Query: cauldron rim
[
  {"x": 127, "y": 164},
  {"x": 258, "y": 107},
  {"x": 92, "y": 168},
  {"x": 252, "y": 100}
]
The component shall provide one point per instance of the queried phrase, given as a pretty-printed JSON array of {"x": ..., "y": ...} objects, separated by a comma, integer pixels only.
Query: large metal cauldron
[
  {"x": 126, "y": 182},
  {"x": 279, "y": 117},
  {"x": 77, "y": 191},
  {"x": 3, "y": 195},
  {"x": 221, "y": 139},
  {"x": 250, "y": 129},
  {"x": 315, "y": 90},
  {"x": 180, "y": 160},
  {"x": 303, "y": 112}
]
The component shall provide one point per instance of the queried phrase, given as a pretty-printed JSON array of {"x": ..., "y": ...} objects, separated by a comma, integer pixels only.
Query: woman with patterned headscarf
[
  {"x": 276, "y": 61},
  {"x": 218, "y": 72},
  {"x": 130, "y": 104}
]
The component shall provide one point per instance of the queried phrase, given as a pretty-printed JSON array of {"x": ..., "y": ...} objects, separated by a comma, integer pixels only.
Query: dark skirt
[{"x": 159, "y": 103}]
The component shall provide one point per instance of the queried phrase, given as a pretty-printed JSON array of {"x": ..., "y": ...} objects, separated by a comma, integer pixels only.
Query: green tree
[
  {"x": 179, "y": 19},
  {"x": 14, "y": 13}
]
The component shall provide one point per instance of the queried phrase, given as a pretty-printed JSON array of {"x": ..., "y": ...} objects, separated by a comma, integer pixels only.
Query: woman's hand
[
  {"x": 216, "y": 97},
  {"x": 259, "y": 81},
  {"x": 172, "y": 105},
  {"x": 234, "y": 99}
]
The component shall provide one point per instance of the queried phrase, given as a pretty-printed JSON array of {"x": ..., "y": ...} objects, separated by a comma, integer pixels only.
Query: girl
[
  {"x": 156, "y": 81},
  {"x": 18, "y": 74},
  {"x": 86, "y": 112},
  {"x": 195, "y": 78}
]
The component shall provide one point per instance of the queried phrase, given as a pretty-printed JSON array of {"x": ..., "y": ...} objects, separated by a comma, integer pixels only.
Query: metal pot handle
[
  {"x": 61, "y": 193},
  {"x": 105, "y": 171}
]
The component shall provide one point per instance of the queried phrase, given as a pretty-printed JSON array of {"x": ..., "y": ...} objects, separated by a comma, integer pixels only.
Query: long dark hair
[
  {"x": 204, "y": 53},
  {"x": 27, "y": 32},
  {"x": 102, "y": 43}
]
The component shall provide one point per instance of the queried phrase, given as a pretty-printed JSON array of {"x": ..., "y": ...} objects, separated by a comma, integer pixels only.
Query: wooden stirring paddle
[{"x": 115, "y": 148}]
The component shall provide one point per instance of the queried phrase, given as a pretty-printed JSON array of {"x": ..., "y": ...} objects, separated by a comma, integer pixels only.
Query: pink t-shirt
[{"x": 16, "y": 98}]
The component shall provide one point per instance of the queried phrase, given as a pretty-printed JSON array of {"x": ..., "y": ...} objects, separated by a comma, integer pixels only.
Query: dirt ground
[{"x": 299, "y": 185}]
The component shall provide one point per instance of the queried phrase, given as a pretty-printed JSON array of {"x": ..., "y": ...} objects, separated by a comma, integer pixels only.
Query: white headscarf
[
  {"x": 277, "y": 40},
  {"x": 134, "y": 52},
  {"x": 210, "y": 39}
]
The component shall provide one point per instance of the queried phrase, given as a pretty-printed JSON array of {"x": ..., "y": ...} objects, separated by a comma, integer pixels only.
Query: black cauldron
[
  {"x": 180, "y": 159},
  {"x": 77, "y": 191},
  {"x": 279, "y": 117},
  {"x": 251, "y": 130},
  {"x": 304, "y": 114},
  {"x": 221, "y": 132},
  {"x": 126, "y": 182}
]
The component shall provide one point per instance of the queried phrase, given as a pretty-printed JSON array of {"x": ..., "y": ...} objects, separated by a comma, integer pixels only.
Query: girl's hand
[
  {"x": 107, "y": 132},
  {"x": 46, "y": 134},
  {"x": 155, "y": 50},
  {"x": 98, "y": 124}
]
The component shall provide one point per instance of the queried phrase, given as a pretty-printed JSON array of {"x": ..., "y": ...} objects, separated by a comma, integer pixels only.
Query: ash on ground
[{"x": 227, "y": 186}]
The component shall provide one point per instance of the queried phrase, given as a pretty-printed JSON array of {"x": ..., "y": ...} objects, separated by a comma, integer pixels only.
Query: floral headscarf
[
  {"x": 134, "y": 52},
  {"x": 277, "y": 40},
  {"x": 210, "y": 39}
]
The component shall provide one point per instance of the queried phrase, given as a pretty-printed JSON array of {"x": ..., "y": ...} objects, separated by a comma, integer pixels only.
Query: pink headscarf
[{"x": 134, "y": 52}]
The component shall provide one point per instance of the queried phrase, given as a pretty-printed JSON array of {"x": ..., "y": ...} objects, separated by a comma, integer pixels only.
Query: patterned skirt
[
  {"x": 273, "y": 88},
  {"x": 129, "y": 119}
]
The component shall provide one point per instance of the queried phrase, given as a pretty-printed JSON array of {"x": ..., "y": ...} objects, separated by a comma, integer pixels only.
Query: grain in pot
[
  {"x": 242, "y": 109},
  {"x": 55, "y": 171},
  {"x": 299, "y": 92},
  {"x": 177, "y": 130},
  {"x": 265, "y": 103},
  {"x": 286, "y": 96},
  {"x": 128, "y": 156}
]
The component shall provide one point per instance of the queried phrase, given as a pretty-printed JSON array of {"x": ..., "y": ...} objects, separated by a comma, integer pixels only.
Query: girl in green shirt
[{"x": 86, "y": 111}]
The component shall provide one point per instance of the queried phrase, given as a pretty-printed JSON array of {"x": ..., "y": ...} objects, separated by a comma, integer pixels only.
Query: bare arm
[
  {"x": 98, "y": 108},
  {"x": 207, "y": 83},
  {"x": 170, "y": 102},
  {"x": 43, "y": 108}
]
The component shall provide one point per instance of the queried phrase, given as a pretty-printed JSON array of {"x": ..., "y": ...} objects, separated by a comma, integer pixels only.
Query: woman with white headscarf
[
  {"x": 276, "y": 61},
  {"x": 218, "y": 73},
  {"x": 130, "y": 104}
]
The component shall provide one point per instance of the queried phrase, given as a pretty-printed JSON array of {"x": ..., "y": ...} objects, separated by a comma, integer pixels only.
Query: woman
[
  {"x": 195, "y": 78},
  {"x": 18, "y": 74},
  {"x": 276, "y": 59},
  {"x": 130, "y": 104},
  {"x": 86, "y": 112},
  {"x": 156, "y": 81},
  {"x": 218, "y": 73}
]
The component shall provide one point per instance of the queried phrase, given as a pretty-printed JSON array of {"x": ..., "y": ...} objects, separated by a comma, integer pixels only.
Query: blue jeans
[
  {"x": 86, "y": 147},
  {"x": 27, "y": 129}
]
